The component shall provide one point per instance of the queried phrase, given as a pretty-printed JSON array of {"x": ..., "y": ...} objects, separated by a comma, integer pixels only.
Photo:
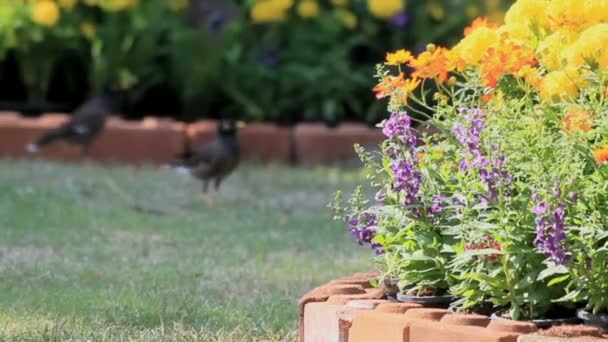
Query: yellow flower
[
  {"x": 556, "y": 86},
  {"x": 435, "y": 11},
  {"x": 589, "y": 48},
  {"x": 566, "y": 14},
  {"x": 551, "y": 49},
  {"x": 398, "y": 57},
  {"x": 348, "y": 18},
  {"x": 67, "y": 4},
  {"x": 88, "y": 30},
  {"x": 527, "y": 12},
  {"x": 45, "y": 13},
  {"x": 519, "y": 32},
  {"x": 308, "y": 9},
  {"x": 266, "y": 11},
  {"x": 340, "y": 3},
  {"x": 385, "y": 9},
  {"x": 474, "y": 46},
  {"x": 177, "y": 5},
  {"x": 596, "y": 11}
]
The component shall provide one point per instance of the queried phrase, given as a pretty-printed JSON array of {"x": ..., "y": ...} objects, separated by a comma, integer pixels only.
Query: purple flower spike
[{"x": 541, "y": 209}]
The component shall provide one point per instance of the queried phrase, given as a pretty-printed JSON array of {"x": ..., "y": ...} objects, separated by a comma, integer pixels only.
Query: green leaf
[{"x": 558, "y": 280}]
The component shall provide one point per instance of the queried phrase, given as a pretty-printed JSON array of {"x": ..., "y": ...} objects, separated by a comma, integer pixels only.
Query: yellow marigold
[
  {"x": 558, "y": 86},
  {"x": 527, "y": 12},
  {"x": 340, "y": 3},
  {"x": 385, "y": 9},
  {"x": 398, "y": 57},
  {"x": 265, "y": 11},
  {"x": 45, "y": 13},
  {"x": 596, "y": 11},
  {"x": 519, "y": 32},
  {"x": 474, "y": 46},
  {"x": 88, "y": 30},
  {"x": 589, "y": 48},
  {"x": 576, "y": 120},
  {"x": 551, "y": 49},
  {"x": 566, "y": 14},
  {"x": 348, "y": 18},
  {"x": 308, "y": 9},
  {"x": 67, "y": 4}
]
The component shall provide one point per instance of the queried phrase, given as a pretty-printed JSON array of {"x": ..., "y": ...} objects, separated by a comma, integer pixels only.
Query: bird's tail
[{"x": 46, "y": 139}]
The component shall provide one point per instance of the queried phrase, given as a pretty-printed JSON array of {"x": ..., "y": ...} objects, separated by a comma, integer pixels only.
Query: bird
[
  {"x": 85, "y": 123},
  {"x": 217, "y": 160}
]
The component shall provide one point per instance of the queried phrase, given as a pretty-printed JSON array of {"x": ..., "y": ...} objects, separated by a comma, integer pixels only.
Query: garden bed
[
  {"x": 349, "y": 310},
  {"x": 158, "y": 141}
]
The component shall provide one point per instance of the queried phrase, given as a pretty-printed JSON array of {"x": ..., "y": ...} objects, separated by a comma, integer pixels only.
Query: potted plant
[{"x": 505, "y": 204}]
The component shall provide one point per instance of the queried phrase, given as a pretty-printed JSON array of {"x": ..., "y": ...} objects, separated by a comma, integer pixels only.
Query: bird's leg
[{"x": 218, "y": 182}]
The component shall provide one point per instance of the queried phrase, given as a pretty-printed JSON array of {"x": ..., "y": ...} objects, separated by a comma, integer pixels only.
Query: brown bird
[
  {"x": 85, "y": 124},
  {"x": 217, "y": 160}
]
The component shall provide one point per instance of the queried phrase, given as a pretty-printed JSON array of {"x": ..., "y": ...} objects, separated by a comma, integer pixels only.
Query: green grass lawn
[{"x": 78, "y": 262}]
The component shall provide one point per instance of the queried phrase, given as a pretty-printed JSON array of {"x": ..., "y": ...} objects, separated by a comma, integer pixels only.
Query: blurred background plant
[{"x": 272, "y": 60}]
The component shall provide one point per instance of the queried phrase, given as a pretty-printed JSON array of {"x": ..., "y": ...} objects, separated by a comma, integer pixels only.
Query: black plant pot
[
  {"x": 595, "y": 320},
  {"x": 484, "y": 309},
  {"x": 427, "y": 301},
  {"x": 543, "y": 323}
]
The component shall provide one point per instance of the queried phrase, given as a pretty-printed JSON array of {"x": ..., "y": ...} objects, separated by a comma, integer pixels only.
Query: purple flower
[
  {"x": 407, "y": 179},
  {"x": 541, "y": 209},
  {"x": 362, "y": 228},
  {"x": 401, "y": 19},
  {"x": 270, "y": 58},
  {"x": 573, "y": 196},
  {"x": 398, "y": 126},
  {"x": 380, "y": 196},
  {"x": 550, "y": 232},
  {"x": 437, "y": 205}
]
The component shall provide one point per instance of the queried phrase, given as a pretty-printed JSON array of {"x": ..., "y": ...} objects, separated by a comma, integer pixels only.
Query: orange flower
[
  {"x": 477, "y": 23},
  {"x": 398, "y": 57},
  {"x": 577, "y": 120},
  {"x": 601, "y": 154},
  {"x": 431, "y": 65},
  {"x": 386, "y": 86},
  {"x": 508, "y": 58}
]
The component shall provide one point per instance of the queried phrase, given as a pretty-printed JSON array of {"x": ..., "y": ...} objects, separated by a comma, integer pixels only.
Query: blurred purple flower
[
  {"x": 401, "y": 19},
  {"x": 270, "y": 58},
  {"x": 550, "y": 232},
  {"x": 437, "y": 205},
  {"x": 399, "y": 126},
  {"x": 362, "y": 228}
]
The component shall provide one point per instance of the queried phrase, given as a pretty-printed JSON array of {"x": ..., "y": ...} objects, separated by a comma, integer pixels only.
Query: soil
[{"x": 426, "y": 292}]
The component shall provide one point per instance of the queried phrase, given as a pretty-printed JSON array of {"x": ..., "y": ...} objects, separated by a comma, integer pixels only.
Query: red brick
[
  {"x": 321, "y": 294},
  {"x": 426, "y": 314},
  {"x": 150, "y": 141},
  {"x": 397, "y": 308},
  {"x": 6, "y": 116},
  {"x": 365, "y": 304},
  {"x": 512, "y": 326},
  {"x": 322, "y": 322},
  {"x": 429, "y": 331},
  {"x": 371, "y": 326},
  {"x": 317, "y": 143},
  {"x": 580, "y": 333},
  {"x": 466, "y": 320},
  {"x": 345, "y": 298},
  {"x": 266, "y": 143}
]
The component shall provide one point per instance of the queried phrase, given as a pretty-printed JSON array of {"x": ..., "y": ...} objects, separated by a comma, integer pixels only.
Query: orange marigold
[
  {"x": 509, "y": 57},
  {"x": 577, "y": 120},
  {"x": 398, "y": 57},
  {"x": 477, "y": 23},
  {"x": 384, "y": 88},
  {"x": 600, "y": 154},
  {"x": 431, "y": 65}
]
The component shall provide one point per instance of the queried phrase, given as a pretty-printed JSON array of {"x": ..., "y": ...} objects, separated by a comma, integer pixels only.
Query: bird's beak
[{"x": 240, "y": 124}]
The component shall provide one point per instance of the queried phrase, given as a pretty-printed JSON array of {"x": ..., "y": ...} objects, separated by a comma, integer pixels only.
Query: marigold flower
[
  {"x": 556, "y": 86},
  {"x": 45, "y": 13},
  {"x": 348, "y": 18},
  {"x": 398, "y": 57},
  {"x": 431, "y": 65},
  {"x": 270, "y": 10},
  {"x": 477, "y": 23},
  {"x": 577, "y": 120},
  {"x": 385, "y": 9},
  {"x": 507, "y": 58},
  {"x": 473, "y": 47},
  {"x": 527, "y": 12},
  {"x": 600, "y": 154},
  {"x": 388, "y": 84},
  {"x": 589, "y": 48},
  {"x": 308, "y": 9},
  {"x": 67, "y": 4}
]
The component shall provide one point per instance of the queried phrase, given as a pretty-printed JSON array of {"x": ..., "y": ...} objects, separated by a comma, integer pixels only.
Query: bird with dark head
[
  {"x": 217, "y": 160},
  {"x": 85, "y": 123}
]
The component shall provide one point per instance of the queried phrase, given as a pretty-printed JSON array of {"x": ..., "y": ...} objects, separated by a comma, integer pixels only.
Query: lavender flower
[
  {"x": 550, "y": 232},
  {"x": 362, "y": 228},
  {"x": 407, "y": 179},
  {"x": 399, "y": 126},
  {"x": 437, "y": 205},
  {"x": 401, "y": 19},
  {"x": 380, "y": 196}
]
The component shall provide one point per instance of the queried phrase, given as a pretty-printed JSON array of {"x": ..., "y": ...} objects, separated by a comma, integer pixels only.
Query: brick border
[{"x": 348, "y": 310}]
